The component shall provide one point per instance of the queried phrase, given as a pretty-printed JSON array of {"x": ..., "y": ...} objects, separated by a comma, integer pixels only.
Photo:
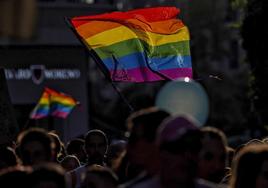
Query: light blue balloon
[{"x": 184, "y": 97}]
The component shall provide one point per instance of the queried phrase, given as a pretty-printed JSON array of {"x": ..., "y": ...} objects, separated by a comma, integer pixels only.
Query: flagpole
[
  {"x": 26, "y": 124},
  {"x": 101, "y": 66}
]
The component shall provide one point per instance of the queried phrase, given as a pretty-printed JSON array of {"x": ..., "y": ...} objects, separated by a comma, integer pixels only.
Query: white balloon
[{"x": 184, "y": 97}]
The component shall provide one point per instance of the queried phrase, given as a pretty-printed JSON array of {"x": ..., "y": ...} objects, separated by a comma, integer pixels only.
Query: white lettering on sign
[
  {"x": 9, "y": 75},
  {"x": 48, "y": 74},
  {"x": 58, "y": 74},
  {"x": 23, "y": 74}
]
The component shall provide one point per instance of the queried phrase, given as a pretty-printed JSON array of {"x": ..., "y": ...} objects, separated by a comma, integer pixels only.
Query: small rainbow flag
[
  {"x": 60, "y": 104},
  {"x": 53, "y": 103},
  {"x": 41, "y": 110},
  {"x": 141, "y": 45}
]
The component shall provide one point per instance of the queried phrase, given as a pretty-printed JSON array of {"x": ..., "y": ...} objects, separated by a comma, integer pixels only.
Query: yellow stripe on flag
[{"x": 123, "y": 33}]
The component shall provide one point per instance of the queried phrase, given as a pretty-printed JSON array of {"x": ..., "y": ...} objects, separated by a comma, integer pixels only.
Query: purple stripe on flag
[
  {"x": 61, "y": 114},
  {"x": 39, "y": 112},
  {"x": 145, "y": 74},
  {"x": 38, "y": 116}
]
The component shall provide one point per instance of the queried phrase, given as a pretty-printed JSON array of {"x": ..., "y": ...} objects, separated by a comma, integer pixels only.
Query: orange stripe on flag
[{"x": 162, "y": 27}]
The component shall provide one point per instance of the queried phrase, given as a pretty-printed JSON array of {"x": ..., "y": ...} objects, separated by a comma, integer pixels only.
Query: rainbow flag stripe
[
  {"x": 139, "y": 45},
  {"x": 60, "y": 104},
  {"x": 41, "y": 110}
]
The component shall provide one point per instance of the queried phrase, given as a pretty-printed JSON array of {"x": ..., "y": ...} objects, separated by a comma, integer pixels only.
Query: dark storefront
[
  {"x": 50, "y": 56},
  {"x": 31, "y": 68}
]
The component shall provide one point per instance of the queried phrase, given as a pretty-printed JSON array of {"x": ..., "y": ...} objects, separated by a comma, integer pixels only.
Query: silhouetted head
[
  {"x": 115, "y": 154},
  {"x": 48, "y": 175},
  {"x": 35, "y": 146},
  {"x": 213, "y": 155},
  {"x": 99, "y": 177},
  {"x": 250, "y": 167},
  {"x": 96, "y": 145},
  {"x": 14, "y": 177},
  {"x": 77, "y": 147},
  {"x": 57, "y": 143},
  {"x": 141, "y": 149},
  {"x": 70, "y": 162}
]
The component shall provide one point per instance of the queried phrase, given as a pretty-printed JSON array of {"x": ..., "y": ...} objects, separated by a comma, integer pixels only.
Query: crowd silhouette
[{"x": 161, "y": 151}]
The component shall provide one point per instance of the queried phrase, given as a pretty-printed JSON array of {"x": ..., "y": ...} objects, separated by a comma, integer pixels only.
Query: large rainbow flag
[
  {"x": 141, "y": 45},
  {"x": 53, "y": 103}
]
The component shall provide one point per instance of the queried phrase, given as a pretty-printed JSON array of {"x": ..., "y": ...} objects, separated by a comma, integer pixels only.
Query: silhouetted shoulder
[
  {"x": 201, "y": 183},
  {"x": 151, "y": 182}
]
